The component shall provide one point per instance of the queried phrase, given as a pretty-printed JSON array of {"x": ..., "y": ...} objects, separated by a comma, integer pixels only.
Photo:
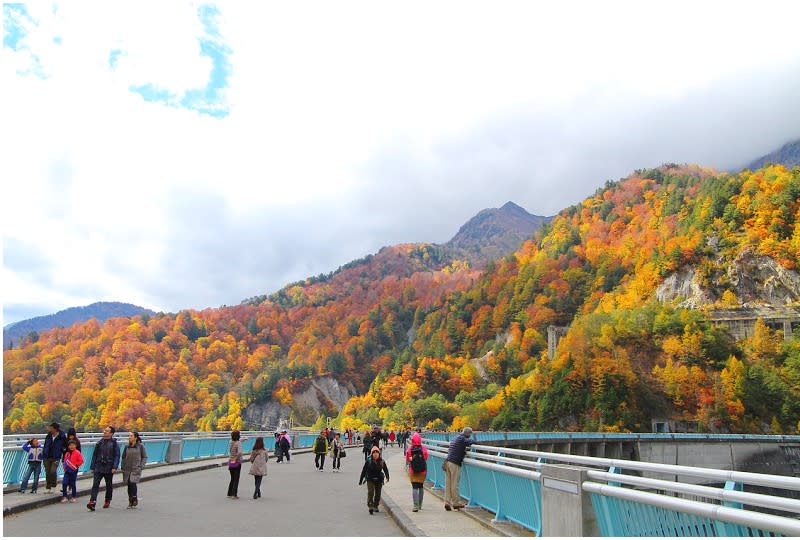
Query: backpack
[
  {"x": 320, "y": 445},
  {"x": 417, "y": 459}
]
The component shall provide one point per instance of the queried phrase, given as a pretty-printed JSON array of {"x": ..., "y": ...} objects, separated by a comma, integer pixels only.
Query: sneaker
[
  {"x": 73, "y": 499},
  {"x": 447, "y": 507},
  {"x": 415, "y": 509},
  {"x": 90, "y": 506},
  {"x": 64, "y": 499},
  {"x": 370, "y": 511},
  {"x": 106, "y": 504}
]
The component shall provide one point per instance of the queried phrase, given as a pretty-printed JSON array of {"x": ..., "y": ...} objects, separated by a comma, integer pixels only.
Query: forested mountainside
[
  {"x": 787, "y": 155},
  {"x": 427, "y": 340},
  {"x": 12, "y": 333},
  {"x": 480, "y": 358}
]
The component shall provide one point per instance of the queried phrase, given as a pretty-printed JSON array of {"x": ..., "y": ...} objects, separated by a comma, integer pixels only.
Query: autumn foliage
[{"x": 428, "y": 341}]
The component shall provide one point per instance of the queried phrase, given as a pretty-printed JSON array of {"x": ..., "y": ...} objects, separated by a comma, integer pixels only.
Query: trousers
[{"x": 451, "y": 486}]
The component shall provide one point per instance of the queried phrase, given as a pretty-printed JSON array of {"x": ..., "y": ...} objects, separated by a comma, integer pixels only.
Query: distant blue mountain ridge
[{"x": 15, "y": 332}]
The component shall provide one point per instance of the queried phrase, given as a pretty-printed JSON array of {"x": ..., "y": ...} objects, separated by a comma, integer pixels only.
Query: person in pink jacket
[
  {"x": 416, "y": 461},
  {"x": 73, "y": 459}
]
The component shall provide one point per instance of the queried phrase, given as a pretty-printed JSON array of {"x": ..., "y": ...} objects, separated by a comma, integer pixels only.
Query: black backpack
[
  {"x": 319, "y": 447},
  {"x": 417, "y": 459}
]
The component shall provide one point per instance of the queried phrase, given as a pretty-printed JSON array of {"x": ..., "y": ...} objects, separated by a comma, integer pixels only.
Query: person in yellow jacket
[{"x": 320, "y": 449}]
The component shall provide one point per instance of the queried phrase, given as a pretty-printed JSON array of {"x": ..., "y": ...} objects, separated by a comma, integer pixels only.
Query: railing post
[{"x": 566, "y": 508}]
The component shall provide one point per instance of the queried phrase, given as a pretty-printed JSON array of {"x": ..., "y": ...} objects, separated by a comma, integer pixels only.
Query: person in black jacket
[
  {"x": 54, "y": 445},
  {"x": 105, "y": 462},
  {"x": 284, "y": 445},
  {"x": 373, "y": 472}
]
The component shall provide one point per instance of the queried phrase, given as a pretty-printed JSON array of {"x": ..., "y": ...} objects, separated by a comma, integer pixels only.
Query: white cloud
[{"x": 353, "y": 126}]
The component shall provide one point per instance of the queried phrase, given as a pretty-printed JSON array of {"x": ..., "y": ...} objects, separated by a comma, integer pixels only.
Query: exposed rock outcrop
[
  {"x": 323, "y": 396},
  {"x": 755, "y": 279}
]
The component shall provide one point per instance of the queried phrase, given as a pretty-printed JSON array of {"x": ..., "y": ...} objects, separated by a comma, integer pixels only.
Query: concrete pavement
[{"x": 297, "y": 500}]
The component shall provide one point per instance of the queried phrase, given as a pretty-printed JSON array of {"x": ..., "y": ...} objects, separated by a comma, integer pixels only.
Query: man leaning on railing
[{"x": 452, "y": 468}]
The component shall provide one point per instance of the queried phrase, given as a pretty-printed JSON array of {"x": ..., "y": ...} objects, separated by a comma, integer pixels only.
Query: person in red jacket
[
  {"x": 72, "y": 462},
  {"x": 416, "y": 461}
]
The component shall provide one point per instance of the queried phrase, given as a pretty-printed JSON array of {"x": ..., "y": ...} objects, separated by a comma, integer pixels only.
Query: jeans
[
  {"x": 373, "y": 494},
  {"x": 337, "y": 461},
  {"x": 258, "y": 485},
  {"x": 35, "y": 468},
  {"x": 109, "y": 479},
  {"x": 233, "y": 486},
  {"x": 69, "y": 480},
  {"x": 319, "y": 460},
  {"x": 51, "y": 473}
]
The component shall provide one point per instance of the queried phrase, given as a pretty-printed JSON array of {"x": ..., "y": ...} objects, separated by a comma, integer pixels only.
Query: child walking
[
  {"x": 373, "y": 472},
  {"x": 34, "y": 452},
  {"x": 72, "y": 462}
]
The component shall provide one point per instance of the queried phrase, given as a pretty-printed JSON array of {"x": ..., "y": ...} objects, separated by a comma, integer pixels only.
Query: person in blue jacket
[
  {"x": 34, "y": 452},
  {"x": 452, "y": 468},
  {"x": 54, "y": 445},
  {"x": 105, "y": 462}
]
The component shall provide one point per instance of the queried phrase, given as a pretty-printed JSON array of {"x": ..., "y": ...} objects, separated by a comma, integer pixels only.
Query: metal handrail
[
  {"x": 768, "y": 480},
  {"x": 747, "y": 518},
  {"x": 531, "y": 475},
  {"x": 721, "y": 494}
]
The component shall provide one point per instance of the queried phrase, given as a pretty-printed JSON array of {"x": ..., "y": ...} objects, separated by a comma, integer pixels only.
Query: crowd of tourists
[
  {"x": 108, "y": 458},
  {"x": 65, "y": 450}
]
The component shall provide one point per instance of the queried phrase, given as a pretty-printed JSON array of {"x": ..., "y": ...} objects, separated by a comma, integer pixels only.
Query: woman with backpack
[
  {"x": 258, "y": 458},
  {"x": 416, "y": 461},
  {"x": 320, "y": 449}
]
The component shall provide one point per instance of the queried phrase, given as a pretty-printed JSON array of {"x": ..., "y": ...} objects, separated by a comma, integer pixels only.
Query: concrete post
[
  {"x": 175, "y": 451},
  {"x": 566, "y": 509}
]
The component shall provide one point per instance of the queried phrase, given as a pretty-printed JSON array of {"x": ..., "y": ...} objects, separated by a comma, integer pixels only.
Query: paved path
[
  {"x": 297, "y": 500},
  {"x": 433, "y": 519}
]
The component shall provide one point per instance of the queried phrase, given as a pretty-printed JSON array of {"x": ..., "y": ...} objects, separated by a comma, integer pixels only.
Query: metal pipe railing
[
  {"x": 721, "y": 494},
  {"x": 746, "y": 518}
]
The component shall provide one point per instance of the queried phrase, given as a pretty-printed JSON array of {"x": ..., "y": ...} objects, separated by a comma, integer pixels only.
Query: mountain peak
[{"x": 495, "y": 232}]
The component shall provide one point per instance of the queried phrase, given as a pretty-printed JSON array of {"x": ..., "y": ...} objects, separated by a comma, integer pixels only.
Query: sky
[{"x": 189, "y": 155}]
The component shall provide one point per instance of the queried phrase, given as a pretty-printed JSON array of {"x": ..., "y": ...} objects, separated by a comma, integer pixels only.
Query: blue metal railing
[
  {"x": 508, "y": 487},
  {"x": 194, "y": 446}
]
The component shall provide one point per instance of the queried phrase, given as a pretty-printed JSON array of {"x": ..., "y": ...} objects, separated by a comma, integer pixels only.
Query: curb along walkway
[{"x": 433, "y": 519}]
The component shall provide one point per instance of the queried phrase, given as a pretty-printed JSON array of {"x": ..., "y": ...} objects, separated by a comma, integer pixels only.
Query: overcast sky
[{"x": 191, "y": 155}]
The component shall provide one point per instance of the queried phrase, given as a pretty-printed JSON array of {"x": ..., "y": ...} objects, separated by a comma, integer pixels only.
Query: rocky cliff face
[
  {"x": 324, "y": 395},
  {"x": 756, "y": 280}
]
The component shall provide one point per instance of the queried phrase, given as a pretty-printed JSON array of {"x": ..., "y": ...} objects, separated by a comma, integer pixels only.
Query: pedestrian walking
[
  {"x": 452, "y": 468},
  {"x": 367, "y": 447},
  {"x": 320, "y": 449},
  {"x": 72, "y": 462},
  {"x": 234, "y": 464},
  {"x": 277, "y": 453},
  {"x": 373, "y": 473},
  {"x": 53, "y": 451},
  {"x": 258, "y": 467},
  {"x": 392, "y": 437},
  {"x": 416, "y": 461},
  {"x": 34, "y": 455},
  {"x": 105, "y": 462},
  {"x": 134, "y": 458},
  {"x": 285, "y": 445},
  {"x": 337, "y": 452}
]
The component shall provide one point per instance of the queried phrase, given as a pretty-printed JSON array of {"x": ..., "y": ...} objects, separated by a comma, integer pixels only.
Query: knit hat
[
  {"x": 467, "y": 431},
  {"x": 375, "y": 449}
]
